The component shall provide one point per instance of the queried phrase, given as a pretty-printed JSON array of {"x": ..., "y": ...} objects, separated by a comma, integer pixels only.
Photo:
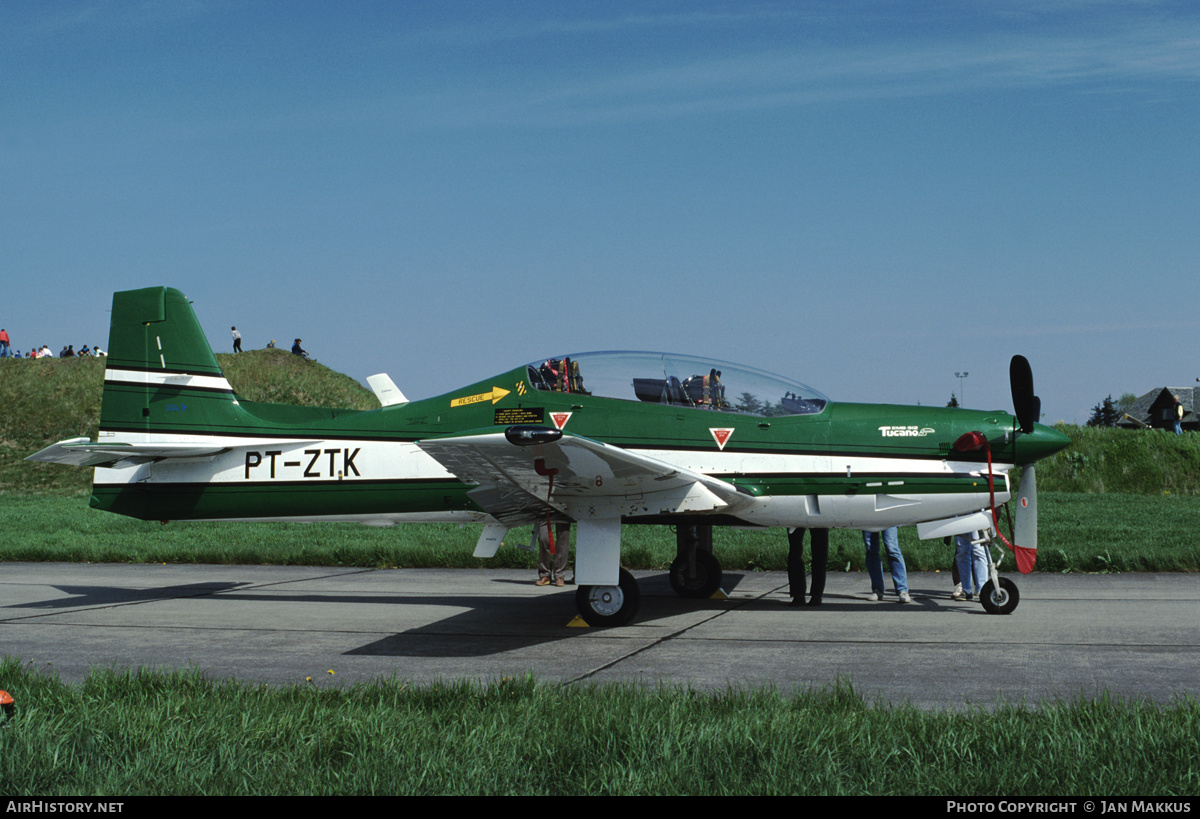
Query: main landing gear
[
  {"x": 695, "y": 574},
  {"x": 609, "y": 606}
]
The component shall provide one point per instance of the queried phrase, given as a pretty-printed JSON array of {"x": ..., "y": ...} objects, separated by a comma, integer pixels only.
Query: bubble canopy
[{"x": 678, "y": 380}]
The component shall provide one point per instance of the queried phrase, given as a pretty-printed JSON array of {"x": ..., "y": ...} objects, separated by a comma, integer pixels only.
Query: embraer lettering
[{"x": 316, "y": 466}]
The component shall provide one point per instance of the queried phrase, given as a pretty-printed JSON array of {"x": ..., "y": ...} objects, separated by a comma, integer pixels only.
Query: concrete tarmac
[{"x": 1133, "y": 635}]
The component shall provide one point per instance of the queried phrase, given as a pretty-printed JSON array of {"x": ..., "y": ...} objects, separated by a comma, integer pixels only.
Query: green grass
[
  {"x": 128, "y": 734},
  {"x": 1081, "y": 533},
  {"x": 1132, "y": 462}
]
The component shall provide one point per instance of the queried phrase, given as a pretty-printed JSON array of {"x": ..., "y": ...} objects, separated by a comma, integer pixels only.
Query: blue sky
[{"x": 865, "y": 196}]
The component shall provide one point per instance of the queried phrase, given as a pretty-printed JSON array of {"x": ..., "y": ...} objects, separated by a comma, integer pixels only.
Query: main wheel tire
[
  {"x": 1000, "y": 600},
  {"x": 609, "y": 606},
  {"x": 706, "y": 581}
]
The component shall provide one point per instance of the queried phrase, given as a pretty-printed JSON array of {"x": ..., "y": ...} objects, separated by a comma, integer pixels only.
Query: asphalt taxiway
[{"x": 1133, "y": 635}]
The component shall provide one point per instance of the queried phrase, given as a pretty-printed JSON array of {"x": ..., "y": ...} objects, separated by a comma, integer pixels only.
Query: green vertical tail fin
[
  {"x": 156, "y": 329},
  {"x": 161, "y": 375}
]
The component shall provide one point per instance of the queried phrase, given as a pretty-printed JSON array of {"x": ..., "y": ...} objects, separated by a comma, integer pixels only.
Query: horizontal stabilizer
[{"x": 85, "y": 452}]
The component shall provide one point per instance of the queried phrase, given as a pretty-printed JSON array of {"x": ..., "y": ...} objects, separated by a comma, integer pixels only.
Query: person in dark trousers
[
  {"x": 237, "y": 340},
  {"x": 552, "y": 568},
  {"x": 820, "y": 558}
]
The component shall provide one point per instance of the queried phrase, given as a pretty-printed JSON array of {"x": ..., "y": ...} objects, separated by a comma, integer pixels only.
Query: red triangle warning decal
[
  {"x": 560, "y": 418},
  {"x": 721, "y": 436}
]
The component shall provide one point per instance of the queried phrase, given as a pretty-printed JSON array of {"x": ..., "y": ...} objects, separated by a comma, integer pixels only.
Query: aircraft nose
[{"x": 1043, "y": 442}]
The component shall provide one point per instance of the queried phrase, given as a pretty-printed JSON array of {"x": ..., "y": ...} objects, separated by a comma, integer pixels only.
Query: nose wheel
[{"x": 999, "y": 598}]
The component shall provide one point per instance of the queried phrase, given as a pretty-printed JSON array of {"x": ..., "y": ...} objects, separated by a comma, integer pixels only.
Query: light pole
[{"x": 962, "y": 399}]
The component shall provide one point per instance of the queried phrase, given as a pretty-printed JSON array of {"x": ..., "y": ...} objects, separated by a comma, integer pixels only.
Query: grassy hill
[
  {"x": 1134, "y": 462},
  {"x": 47, "y": 400},
  {"x": 43, "y": 401},
  {"x": 1116, "y": 500}
]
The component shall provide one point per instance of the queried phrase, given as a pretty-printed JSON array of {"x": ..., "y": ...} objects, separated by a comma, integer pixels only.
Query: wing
[{"x": 592, "y": 480}]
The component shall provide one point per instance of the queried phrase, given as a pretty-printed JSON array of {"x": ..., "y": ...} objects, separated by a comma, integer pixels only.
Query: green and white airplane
[{"x": 599, "y": 440}]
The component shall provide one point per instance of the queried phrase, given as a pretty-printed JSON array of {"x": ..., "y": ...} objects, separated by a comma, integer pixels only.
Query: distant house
[{"x": 1156, "y": 409}]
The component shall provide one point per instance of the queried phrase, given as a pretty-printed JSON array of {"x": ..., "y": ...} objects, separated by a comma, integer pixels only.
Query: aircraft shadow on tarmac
[
  {"x": 90, "y": 596},
  {"x": 491, "y": 623},
  {"x": 494, "y": 625},
  {"x": 497, "y": 624}
]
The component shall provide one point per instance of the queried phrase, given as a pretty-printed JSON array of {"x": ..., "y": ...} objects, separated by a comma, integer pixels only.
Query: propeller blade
[
  {"x": 1026, "y": 406},
  {"x": 1025, "y": 521}
]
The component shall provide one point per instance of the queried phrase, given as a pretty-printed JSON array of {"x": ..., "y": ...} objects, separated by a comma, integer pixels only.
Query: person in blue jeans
[
  {"x": 972, "y": 565},
  {"x": 891, "y": 545}
]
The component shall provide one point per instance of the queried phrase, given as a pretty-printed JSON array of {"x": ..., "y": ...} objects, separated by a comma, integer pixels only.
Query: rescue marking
[{"x": 495, "y": 395}]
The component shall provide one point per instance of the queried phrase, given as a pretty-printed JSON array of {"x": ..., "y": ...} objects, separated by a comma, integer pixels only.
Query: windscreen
[{"x": 678, "y": 380}]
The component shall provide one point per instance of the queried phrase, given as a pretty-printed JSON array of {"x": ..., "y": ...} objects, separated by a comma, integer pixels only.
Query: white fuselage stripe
[
  {"x": 251, "y": 461},
  {"x": 405, "y": 460}
]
